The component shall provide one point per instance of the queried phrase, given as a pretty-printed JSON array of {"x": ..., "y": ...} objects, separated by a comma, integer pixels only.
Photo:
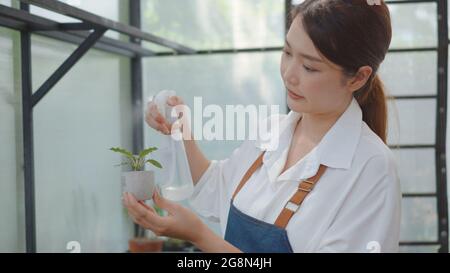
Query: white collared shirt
[{"x": 354, "y": 207}]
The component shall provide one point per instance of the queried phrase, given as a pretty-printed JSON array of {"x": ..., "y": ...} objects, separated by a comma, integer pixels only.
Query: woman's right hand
[
  {"x": 156, "y": 120},
  {"x": 198, "y": 163}
]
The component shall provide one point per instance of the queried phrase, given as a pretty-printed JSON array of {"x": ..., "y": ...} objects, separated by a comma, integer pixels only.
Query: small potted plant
[
  {"x": 138, "y": 182},
  {"x": 141, "y": 184}
]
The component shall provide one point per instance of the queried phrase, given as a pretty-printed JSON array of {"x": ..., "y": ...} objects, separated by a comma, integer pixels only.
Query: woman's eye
[
  {"x": 286, "y": 52},
  {"x": 309, "y": 69}
]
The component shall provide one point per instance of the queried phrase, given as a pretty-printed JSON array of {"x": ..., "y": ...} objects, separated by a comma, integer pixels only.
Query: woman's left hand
[{"x": 180, "y": 223}]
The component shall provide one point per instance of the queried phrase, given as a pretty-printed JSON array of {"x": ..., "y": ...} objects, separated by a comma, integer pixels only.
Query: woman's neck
[{"x": 312, "y": 127}]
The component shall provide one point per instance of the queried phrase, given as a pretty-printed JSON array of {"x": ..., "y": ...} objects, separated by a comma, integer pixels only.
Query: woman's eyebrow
[{"x": 306, "y": 56}]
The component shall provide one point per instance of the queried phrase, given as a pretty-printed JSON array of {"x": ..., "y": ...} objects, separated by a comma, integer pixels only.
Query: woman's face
[{"x": 314, "y": 84}]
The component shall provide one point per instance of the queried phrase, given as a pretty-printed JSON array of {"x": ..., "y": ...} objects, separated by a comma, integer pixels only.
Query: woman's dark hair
[{"x": 352, "y": 34}]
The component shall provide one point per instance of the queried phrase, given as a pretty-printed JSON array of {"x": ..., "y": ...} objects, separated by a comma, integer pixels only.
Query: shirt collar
[
  {"x": 279, "y": 128},
  {"x": 337, "y": 147}
]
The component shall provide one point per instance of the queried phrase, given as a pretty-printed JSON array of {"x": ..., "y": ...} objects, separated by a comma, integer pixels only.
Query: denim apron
[{"x": 249, "y": 234}]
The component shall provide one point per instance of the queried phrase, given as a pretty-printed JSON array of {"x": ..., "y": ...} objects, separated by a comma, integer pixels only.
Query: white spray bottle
[{"x": 176, "y": 180}]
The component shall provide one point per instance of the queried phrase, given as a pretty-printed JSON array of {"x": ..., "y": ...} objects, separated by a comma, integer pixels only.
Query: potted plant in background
[{"x": 141, "y": 184}]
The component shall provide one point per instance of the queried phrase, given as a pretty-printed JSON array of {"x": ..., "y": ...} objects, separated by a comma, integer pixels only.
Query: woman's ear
[{"x": 359, "y": 80}]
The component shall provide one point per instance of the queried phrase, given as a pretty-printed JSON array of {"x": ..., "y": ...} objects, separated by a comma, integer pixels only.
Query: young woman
[{"x": 331, "y": 185}]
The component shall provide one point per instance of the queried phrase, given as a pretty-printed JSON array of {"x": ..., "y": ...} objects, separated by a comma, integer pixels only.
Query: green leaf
[
  {"x": 136, "y": 164},
  {"x": 122, "y": 151},
  {"x": 121, "y": 164},
  {"x": 154, "y": 163},
  {"x": 147, "y": 151}
]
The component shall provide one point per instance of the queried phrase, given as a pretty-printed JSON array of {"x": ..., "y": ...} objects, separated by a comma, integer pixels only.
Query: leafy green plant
[{"x": 137, "y": 162}]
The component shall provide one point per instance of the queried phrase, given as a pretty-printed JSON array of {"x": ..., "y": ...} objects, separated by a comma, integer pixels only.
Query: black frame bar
[
  {"x": 441, "y": 126},
  {"x": 74, "y": 33},
  {"x": 136, "y": 89},
  {"x": 29, "y": 100},
  {"x": 99, "y": 21},
  {"x": 67, "y": 65},
  {"x": 28, "y": 138}
]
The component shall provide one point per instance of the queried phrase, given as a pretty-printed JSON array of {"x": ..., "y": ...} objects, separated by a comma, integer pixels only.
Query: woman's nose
[{"x": 291, "y": 77}]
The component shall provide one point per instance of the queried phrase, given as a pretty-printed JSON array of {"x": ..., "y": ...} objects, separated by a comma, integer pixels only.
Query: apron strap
[
  {"x": 258, "y": 163},
  {"x": 304, "y": 188}
]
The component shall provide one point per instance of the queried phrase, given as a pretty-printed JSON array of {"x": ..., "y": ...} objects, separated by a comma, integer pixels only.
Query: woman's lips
[{"x": 293, "y": 95}]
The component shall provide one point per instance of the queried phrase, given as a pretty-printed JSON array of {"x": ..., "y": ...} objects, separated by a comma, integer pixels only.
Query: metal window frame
[
  {"x": 441, "y": 126},
  {"x": 136, "y": 88},
  {"x": 89, "y": 34}
]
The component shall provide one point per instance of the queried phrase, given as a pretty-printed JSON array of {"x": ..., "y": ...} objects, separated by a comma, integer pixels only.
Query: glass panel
[
  {"x": 419, "y": 219},
  {"x": 12, "y": 233},
  {"x": 51, "y": 55},
  {"x": 411, "y": 121},
  {"x": 416, "y": 169},
  {"x": 5, "y": 2},
  {"x": 246, "y": 78},
  {"x": 78, "y": 188},
  {"x": 414, "y": 25},
  {"x": 216, "y": 24},
  {"x": 56, "y": 56},
  {"x": 115, "y": 10},
  {"x": 105, "y": 8},
  {"x": 254, "y": 78},
  {"x": 296, "y": 2},
  {"x": 406, "y": 74},
  {"x": 420, "y": 249}
]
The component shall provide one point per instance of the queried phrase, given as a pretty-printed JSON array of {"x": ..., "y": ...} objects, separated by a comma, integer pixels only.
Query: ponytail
[{"x": 372, "y": 100}]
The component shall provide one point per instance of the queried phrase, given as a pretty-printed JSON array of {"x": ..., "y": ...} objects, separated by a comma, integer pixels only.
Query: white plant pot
[{"x": 140, "y": 183}]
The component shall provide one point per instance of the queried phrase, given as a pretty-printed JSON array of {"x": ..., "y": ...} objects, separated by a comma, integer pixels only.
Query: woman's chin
[{"x": 296, "y": 105}]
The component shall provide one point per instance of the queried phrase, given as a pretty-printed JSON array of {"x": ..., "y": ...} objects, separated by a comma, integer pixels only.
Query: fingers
[
  {"x": 155, "y": 119},
  {"x": 136, "y": 207},
  {"x": 144, "y": 215},
  {"x": 147, "y": 206},
  {"x": 163, "y": 203},
  {"x": 161, "y": 123},
  {"x": 174, "y": 101},
  {"x": 177, "y": 101}
]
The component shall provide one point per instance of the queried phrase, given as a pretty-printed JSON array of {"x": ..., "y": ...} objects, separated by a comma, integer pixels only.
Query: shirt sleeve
[
  {"x": 214, "y": 189},
  {"x": 369, "y": 220}
]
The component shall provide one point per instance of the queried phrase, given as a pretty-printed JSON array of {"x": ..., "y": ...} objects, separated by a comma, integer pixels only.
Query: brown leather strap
[
  {"x": 296, "y": 200},
  {"x": 258, "y": 162},
  {"x": 304, "y": 188}
]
